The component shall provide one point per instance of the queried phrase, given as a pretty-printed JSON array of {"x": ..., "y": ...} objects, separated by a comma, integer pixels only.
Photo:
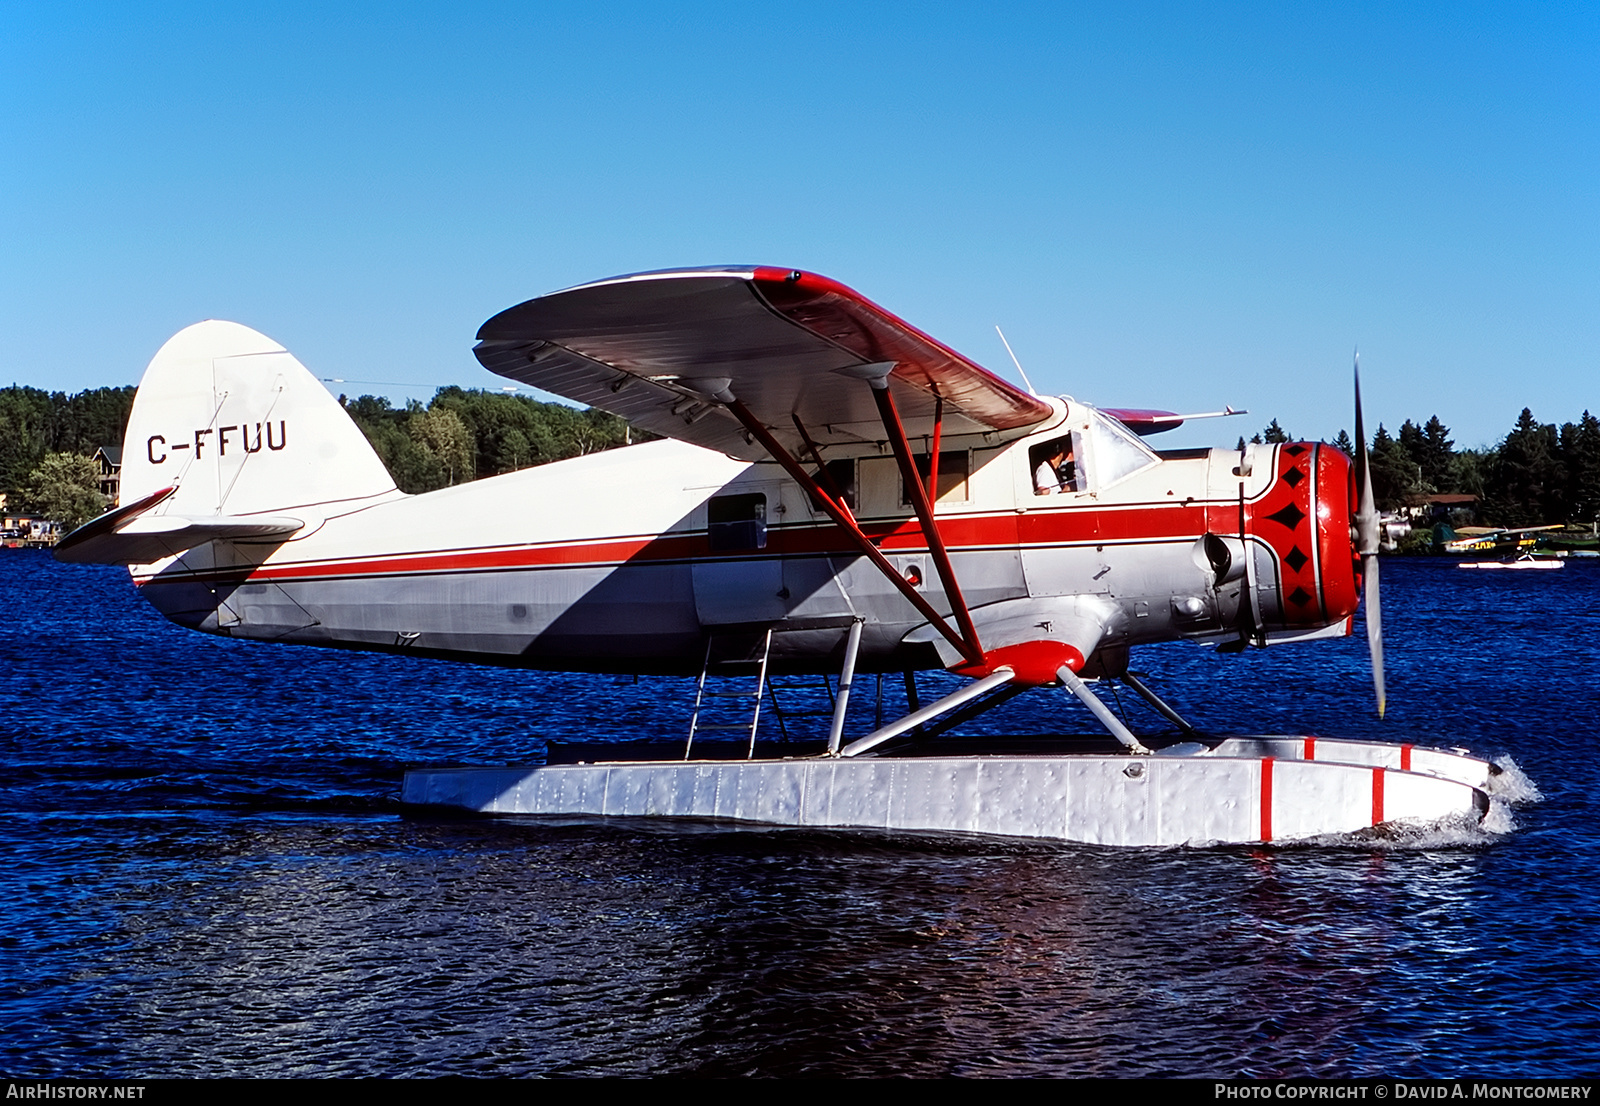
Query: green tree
[
  {"x": 1581, "y": 452},
  {"x": 1470, "y": 471},
  {"x": 27, "y": 419},
  {"x": 1526, "y": 486},
  {"x": 1394, "y": 474},
  {"x": 1432, "y": 452},
  {"x": 34, "y": 422},
  {"x": 514, "y": 432},
  {"x": 1436, "y": 455},
  {"x": 415, "y": 468},
  {"x": 65, "y": 488},
  {"x": 441, "y": 432}
]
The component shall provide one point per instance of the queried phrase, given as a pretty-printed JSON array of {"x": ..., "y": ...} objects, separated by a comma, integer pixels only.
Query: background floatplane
[{"x": 836, "y": 493}]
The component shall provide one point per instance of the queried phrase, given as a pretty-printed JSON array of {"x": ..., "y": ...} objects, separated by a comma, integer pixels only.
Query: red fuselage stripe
[
  {"x": 1266, "y": 799},
  {"x": 1064, "y": 528}
]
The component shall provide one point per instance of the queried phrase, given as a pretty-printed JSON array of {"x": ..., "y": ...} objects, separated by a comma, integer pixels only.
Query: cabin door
[{"x": 741, "y": 580}]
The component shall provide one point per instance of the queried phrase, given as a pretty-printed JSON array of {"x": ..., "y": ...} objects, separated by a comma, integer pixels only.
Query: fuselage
[{"x": 632, "y": 559}]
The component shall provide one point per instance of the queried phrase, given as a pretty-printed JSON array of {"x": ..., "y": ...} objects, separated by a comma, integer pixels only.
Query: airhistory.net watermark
[{"x": 51, "y": 1092}]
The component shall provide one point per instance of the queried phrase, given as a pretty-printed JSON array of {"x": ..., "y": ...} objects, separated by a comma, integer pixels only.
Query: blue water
[{"x": 207, "y": 873}]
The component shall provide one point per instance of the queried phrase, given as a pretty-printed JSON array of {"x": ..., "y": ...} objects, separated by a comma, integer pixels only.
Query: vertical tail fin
[
  {"x": 240, "y": 427},
  {"x": 229, "y": 437}
]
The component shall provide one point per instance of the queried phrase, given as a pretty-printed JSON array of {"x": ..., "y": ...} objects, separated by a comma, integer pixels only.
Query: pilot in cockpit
[{"x": 1053, "y": 468}]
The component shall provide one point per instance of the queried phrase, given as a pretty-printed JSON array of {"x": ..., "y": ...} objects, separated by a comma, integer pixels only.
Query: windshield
[{"x": 1117, "y": 451}]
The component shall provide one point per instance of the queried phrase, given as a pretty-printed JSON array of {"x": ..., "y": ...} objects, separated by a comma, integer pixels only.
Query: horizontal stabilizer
[
  {"x": 132, "y": 536},
  {"x": 1144, "y": 422}
]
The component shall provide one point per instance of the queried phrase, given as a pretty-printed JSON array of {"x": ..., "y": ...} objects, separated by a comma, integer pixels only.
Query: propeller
[{"x": 1365, "y": 534}]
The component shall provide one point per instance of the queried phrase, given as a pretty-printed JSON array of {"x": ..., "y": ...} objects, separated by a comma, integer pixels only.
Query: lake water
[{"x": 207, "y": 873}]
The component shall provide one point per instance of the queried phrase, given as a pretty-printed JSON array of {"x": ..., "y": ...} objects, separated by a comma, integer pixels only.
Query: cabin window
[
  {"x": 837, "y": 478},
  {"x": 954, "y": 469},
  {"x": 737, "y": 522}
]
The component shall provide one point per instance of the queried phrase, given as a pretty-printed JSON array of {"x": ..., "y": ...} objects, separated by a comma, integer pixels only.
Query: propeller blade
[
  {"x": 1366, "y": 541},
  {"x": 1366, "y": 520},
  {"x": 1369, "y": 577}
]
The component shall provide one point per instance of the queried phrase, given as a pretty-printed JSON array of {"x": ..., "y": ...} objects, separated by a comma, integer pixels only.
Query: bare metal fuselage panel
[{"x": 612, "y": 562}]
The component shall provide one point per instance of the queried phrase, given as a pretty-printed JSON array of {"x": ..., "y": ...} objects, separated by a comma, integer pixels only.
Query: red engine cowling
[{"x": 1304, "y": 519}]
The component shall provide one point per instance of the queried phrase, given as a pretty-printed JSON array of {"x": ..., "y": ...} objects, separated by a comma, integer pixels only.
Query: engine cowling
[{"x": 1302, "y": 521}]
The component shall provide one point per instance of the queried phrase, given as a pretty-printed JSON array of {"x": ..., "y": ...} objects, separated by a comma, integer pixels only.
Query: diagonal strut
[{"x": 968, "y": 645}]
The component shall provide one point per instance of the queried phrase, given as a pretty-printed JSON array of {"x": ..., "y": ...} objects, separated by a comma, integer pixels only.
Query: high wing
[{"x": 665, "y": 350}]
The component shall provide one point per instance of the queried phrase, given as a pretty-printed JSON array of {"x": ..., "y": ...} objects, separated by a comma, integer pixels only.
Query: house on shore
[
  {"x": 109, "y": 459},
  {"x": 1425, "y": 511}
]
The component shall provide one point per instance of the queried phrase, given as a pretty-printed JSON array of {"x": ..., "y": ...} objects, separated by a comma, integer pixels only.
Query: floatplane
[
  {"x": 834, "y": 492},
  {"x": 1508, "y": 540},
  {"x": 1517, "y": 546}
]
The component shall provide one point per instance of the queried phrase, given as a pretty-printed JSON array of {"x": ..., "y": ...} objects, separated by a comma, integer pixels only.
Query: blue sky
[{"x": 1177, "y": 206}]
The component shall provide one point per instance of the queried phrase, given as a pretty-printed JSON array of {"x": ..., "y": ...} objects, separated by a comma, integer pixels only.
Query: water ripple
[{"x": 209, "y": 874}]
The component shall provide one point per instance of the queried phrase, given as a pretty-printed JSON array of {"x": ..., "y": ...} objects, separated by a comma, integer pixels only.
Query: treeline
[
  {"x": 459, "y": 436},
  {"x": 462, "y": 435},
  {"x": 35, "y": 423},
  {"x": 1538, "y": 473}
]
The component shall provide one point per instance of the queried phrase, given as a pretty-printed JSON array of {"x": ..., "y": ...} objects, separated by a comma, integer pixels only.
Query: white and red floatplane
[{"x": 836, "y": 493}]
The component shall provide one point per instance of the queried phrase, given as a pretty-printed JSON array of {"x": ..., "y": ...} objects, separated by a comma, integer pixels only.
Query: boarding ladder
[
  {"x": 765, "y": 688},
  {"x": 755, "y": 695},
  {"x": 805, "y": 689}
]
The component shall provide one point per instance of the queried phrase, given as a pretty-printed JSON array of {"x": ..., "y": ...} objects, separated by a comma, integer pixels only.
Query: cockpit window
[
  {"x": 1097, "y": 456},
  {"x": 1117, "y": 451},
  {"x": 1054, "y": 466}
]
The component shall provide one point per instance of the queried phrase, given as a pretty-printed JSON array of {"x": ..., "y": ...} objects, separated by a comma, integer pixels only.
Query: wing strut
[
  {"x": 967, "y": 640},
  {"x": 924, "y": 507},
  {"x": 828, "y": 481}
]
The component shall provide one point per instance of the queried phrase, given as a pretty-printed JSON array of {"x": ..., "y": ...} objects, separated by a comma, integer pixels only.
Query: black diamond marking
[
  {"x": 1293, "y": 477},
  {"x": 1294, "y": 450},
  {"x": 1299, "y": 597},
  {"x": 1291, "y": 516},
  {"x": 1297, "y": 560}
]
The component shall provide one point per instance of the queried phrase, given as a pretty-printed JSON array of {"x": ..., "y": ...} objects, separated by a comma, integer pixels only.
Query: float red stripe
[{"x": 1266, "y": 799}]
